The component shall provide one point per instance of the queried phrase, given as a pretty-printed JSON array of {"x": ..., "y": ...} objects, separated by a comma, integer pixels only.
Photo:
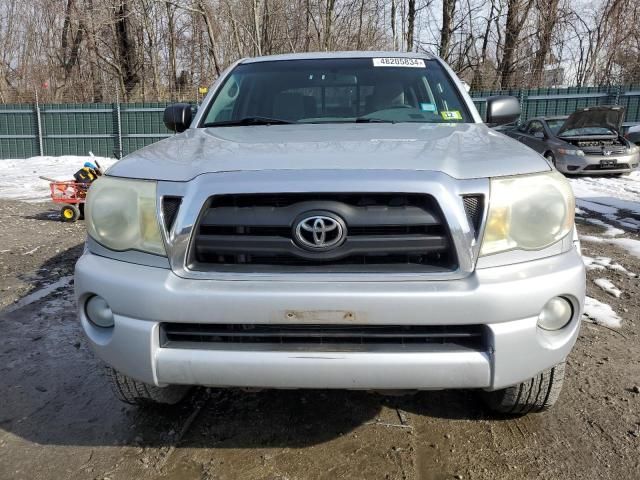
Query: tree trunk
[
  {"x": 411, "y": 20},
  {"x": 328, "y": 23},
  {"x": 307, "y": 18},
  {"x": 126, "y": 47},
  {"x": 95, "y": 71},
  {"x": 548, "y": 14},
  {"x": 257, "y": 28},
  {"x": 394, "y": 36},
  {"x": 210, "y": 33},
  {"x": 173, "y": 80},
  {"x": 70, "y": 43},
  {"x": 517, "y": 12},
  {"x": 266, "y": 39},
  {"x": 360, "y": 14},
  {"x": 448, "y": 12}
]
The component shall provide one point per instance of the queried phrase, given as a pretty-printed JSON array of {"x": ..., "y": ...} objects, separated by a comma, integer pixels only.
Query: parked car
[
  {"x": 587, "y": 142},
  {"x": 334, "y": 220}
]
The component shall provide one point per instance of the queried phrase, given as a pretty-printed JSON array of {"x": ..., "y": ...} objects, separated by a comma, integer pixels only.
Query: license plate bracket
[{"x": 609, "y": 163}]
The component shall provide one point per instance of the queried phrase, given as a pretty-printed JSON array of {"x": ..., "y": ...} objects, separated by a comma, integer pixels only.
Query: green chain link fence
[{"x": 117, "y": 129}]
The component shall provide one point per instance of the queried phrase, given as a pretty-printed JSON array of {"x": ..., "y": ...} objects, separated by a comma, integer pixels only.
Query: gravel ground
[{"x": 58, "y": 418}]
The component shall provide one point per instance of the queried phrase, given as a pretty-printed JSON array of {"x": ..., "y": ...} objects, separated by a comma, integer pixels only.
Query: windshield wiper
[
  {"x": 373, "y": 120},
  {"x": 248, "y": 121}
]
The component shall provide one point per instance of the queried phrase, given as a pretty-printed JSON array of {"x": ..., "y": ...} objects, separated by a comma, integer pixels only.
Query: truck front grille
[
  {"x": 327, "y": 337},
  {"x": 382, "y": 232}
]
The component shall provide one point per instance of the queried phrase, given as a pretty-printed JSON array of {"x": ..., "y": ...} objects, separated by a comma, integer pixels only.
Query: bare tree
[
  {"x": 85, "y": 50},
  {"x": 517, "y": 14},
  {"x": 411, "y": 20},
  {"x": 448, "y": 11},
  {"x": 126, "y": 46}
]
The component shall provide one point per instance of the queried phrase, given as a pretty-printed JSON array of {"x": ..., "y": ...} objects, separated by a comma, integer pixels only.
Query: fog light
[
  {"x": 556, "y": 314},
  {"x": 99, "y": 312}
]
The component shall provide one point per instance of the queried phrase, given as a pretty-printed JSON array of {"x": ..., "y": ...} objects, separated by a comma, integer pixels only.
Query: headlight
[
  {"x": 566, "y": 151},
  {"x": 528, "y": 212},
  {"x": 121, "y": 215},
  {"x": 634, "y": 149}
]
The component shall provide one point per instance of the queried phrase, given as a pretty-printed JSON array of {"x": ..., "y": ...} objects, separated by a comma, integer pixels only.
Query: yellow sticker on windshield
[{"x": 451, "y": 115}]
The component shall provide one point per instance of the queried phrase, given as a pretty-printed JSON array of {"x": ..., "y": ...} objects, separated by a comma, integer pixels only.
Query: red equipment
[{"x": 72, "y": 195}]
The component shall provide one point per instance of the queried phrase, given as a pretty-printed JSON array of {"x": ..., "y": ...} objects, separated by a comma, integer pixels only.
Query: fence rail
[
  {"x": 117, "y": 129},
  {"x": 109, "y": 130},
  {"x": 563, "y": 101}
]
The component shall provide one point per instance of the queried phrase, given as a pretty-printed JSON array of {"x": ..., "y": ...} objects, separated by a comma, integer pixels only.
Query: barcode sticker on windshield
[{"x": 398, "y": 62}]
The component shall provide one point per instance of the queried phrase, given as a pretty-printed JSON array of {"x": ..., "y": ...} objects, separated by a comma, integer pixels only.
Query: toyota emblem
[{"x": 319, "y": 232}]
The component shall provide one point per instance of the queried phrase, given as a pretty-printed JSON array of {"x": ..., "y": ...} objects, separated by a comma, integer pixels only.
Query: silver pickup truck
[{"x": 334, "y": 220}]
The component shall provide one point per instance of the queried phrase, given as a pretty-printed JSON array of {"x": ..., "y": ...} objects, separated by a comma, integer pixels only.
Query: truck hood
[
  {"x": 601, "y": 116},
  {"x": 461, "y": 151}
]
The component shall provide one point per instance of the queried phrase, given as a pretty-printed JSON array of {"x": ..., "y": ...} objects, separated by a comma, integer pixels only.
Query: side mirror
[
  {"x": 177, "y": 117},
  {"x": 502, "y": 109}
]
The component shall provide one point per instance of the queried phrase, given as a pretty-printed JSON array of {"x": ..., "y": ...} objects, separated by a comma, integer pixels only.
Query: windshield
[
  {"x": 337, "y": 91},
  {"x": 554, "y": 125}
]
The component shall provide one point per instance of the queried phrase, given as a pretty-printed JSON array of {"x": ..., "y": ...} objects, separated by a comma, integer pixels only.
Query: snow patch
[
  {"x": 608, "y": 286},
  {"x": 616, "y": 199},
  {"x": 621, "y": 269},
  {"x": 19, "y": 179},
  {"x": 604, "y": 263},
  {"x": 629, "y": 244},
  {"x": 598, "y": 263},
  {"x": 601, "y": 314}
]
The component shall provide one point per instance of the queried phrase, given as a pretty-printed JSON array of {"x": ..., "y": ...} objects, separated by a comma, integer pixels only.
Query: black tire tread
[
  {"x": 132, "y": 391},
  {"x": 535, "y": 395},
  {"x": 74, "y": 209}
]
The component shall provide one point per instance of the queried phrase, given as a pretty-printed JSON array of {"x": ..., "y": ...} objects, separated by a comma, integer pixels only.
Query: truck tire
[
  {"x": 132, "y": 391},
  {"x": 535, "y": 395}
]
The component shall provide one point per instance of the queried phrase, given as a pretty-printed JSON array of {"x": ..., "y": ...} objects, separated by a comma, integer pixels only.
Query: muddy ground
[{"x": 59, "y": 419}]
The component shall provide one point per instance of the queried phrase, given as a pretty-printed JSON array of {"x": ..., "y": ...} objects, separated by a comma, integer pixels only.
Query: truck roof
[{"x": 324, "y": 55}]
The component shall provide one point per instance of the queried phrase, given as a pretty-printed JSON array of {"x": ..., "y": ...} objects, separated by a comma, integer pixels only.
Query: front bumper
[
  {"x": 506, "y": 299},
  {"x": 590, "y": 164}
]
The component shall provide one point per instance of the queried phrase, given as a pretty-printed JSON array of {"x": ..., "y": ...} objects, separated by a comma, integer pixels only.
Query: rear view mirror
[
  {"x": 177, "y": 117},
  {"x": 502, "y": 109}
]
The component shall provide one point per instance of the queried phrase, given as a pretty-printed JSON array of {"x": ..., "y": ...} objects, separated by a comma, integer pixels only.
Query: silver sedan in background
[{"x": 587, "y": 142}]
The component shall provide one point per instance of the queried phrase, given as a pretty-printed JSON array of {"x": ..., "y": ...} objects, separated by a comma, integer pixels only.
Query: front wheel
[
  {"x": 535, "y": 395},
  {"x": 129, "y": 390}
]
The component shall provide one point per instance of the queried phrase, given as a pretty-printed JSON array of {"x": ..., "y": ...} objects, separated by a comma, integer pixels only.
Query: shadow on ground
[{"x": 51, "y": 214}]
